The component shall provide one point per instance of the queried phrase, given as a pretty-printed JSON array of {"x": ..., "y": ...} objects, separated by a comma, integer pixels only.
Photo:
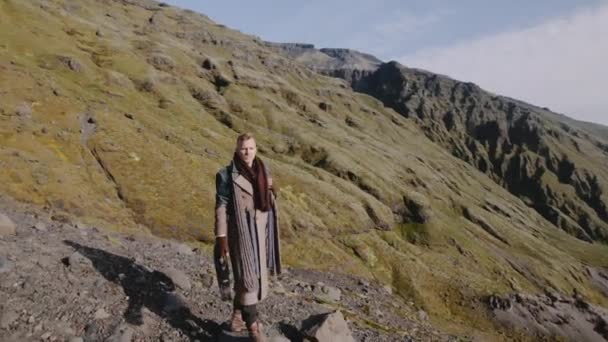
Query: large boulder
[{"x": 330, "y": 327}]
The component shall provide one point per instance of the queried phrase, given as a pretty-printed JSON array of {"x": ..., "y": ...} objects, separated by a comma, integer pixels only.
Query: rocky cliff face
[
  {"x": 554, "y": 166},
  {"x": 348, "y": 64},
  {"x": 530, "y": 151},
  {"x": 117, "y": 114},
  {"x": 554, "y": 163}
]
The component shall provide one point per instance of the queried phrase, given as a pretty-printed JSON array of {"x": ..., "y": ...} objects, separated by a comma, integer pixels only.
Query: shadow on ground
[{"x": 151, "y": 289}]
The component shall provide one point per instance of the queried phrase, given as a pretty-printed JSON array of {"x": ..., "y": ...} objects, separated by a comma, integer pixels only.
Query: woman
[{"x": 246, "y": 229}]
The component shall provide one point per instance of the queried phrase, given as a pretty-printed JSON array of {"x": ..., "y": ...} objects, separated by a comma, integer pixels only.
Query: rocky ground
[
  {"x": 115, "y": 111},
  {"x": 561, "y": 317},
  {"x": 63, "y": 281}
]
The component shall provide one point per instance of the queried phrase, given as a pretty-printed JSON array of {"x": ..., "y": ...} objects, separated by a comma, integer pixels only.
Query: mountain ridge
[
  {"x": 407, "y": 90},
  {"x": 117, "y": 114}
]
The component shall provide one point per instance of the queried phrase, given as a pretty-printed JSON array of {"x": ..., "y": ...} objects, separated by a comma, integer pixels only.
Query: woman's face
[{"x": 246, "y": 151}]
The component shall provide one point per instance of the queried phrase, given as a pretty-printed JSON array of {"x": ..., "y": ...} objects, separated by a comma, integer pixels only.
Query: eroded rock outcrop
[
  {"x": 552, "y": 314},
  {"x": 532, "y": 152}
]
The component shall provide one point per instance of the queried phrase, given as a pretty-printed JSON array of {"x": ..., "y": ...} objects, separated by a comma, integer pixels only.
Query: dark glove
[{"x": 222, "y": 268}]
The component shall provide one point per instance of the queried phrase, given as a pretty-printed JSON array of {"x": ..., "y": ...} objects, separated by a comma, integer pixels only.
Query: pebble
[
  {"x": 101, "y": 314},
  {"x": 7, "y": 227},
  {"x": 40, "y": 226},
  {"x": 6, "y": 265}
]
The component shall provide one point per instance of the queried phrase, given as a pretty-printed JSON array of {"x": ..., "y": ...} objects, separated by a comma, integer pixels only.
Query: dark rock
[
  {"x": 364, "y": 283},
  {"x": 552, "y": 295},
  {"x": 581, "y": 303},
  {"x": 417, "y": 208},
  {"x": 601, "y": 326},
  {"x": 220, "y": 81},
  {"x": 60, "y": 218},
  {"x": 498, "y": 303},
  {"x": 208, "y": 64},
  {"x": 325, "y": 106},
  {"x": 165, "y": 103},
  {"x": 350, "y": 121},
  {"x": 71, "y": 63}
]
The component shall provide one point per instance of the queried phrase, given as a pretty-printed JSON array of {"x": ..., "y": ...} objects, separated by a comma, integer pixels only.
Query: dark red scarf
[{"x": 256, "y": 175}]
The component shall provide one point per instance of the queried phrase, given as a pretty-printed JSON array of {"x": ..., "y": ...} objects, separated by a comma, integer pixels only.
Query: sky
[{"x": 551, "y": 53}]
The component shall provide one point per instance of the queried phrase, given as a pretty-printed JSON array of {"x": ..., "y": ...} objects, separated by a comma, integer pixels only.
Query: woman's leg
[
  {"x": 250, "y": 314},
  {"x": 236, "y": 321}
]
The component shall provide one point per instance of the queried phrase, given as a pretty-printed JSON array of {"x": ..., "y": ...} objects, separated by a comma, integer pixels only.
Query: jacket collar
[{"x": 241, "y": 181}]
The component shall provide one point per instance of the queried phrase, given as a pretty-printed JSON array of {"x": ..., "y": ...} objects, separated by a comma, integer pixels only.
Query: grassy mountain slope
[
  {"x": 121, "y": 112},
  {"x": 558, "y": 168},
  {"x": 554, "y": 163}
]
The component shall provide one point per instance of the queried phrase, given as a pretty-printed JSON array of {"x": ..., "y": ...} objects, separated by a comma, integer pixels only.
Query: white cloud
[
  {"x": 406, "y": 23},
  {"x": 392, "y": 32},
  {"x": 561, "y": 64}
]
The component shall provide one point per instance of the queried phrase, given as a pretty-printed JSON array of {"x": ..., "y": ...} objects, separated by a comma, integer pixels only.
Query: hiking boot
[
  {"x": 236, "y": 321},
  {"x": 256, "y": 333}
]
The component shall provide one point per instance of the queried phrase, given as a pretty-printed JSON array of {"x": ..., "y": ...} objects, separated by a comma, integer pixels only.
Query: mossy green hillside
[{"x": 120, "y": 115}]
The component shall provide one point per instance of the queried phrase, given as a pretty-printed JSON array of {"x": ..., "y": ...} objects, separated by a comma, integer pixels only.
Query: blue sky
[{"x": 547, "y": 52}]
